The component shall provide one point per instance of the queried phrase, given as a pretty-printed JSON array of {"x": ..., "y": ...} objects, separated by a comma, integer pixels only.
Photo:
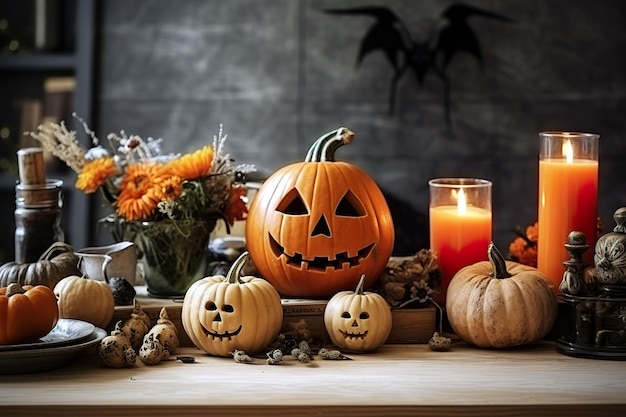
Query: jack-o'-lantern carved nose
[{"x": 321, "y": 228}]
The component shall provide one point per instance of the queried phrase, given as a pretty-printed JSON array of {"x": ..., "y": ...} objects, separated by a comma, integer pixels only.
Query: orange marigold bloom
[
  {"x": 139, "y": 191},
  {"x": 524, "y": 249},
  {"x": 170, "y": 188},
  {"x": 236, "y": 208},
  {"x": 193, "y": 165},
  {"x": 95, "y": 173}
]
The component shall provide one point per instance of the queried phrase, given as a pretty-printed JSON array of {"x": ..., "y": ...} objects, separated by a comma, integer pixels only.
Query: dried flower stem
[{"x": 62, "y": 143}]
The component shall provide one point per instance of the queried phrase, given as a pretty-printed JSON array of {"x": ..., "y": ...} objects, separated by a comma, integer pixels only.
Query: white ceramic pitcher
[{"x": 122, "y": 261}]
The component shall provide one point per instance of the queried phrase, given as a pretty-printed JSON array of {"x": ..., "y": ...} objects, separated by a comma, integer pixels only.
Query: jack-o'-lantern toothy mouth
[
  {"x": 226, "y": 335},
  {"x": 348, "y": 335},
  {"x": 321, "y": 263}
]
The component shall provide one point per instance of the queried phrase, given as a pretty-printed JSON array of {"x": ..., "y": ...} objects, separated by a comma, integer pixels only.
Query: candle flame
[
  {"x": 461, "y": 202},
  {"x": 568, "y": 151}
]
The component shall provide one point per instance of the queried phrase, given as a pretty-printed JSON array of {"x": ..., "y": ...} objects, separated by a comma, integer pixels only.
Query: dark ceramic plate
[
  {"x": 44, "y": 359},
  {"x": 66, "y": 332}
]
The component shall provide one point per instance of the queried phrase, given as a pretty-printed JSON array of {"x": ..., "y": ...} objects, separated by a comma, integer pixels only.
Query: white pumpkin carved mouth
[
  {"x": 321, "y": 263},
  {"x": 348, "y": 335},
  {"x": 226, "y": 335}
]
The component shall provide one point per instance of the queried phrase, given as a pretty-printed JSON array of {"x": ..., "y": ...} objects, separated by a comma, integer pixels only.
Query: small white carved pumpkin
[{"x": 357, "y": 320}]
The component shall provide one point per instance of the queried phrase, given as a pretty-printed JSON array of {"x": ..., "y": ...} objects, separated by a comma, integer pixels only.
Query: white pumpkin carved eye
[
  {"x": 350, "y": 206},
  {"x": 363, "y": 316},
  {"x": 293, "y": 204},
  {"x": 227, "y": 308}
]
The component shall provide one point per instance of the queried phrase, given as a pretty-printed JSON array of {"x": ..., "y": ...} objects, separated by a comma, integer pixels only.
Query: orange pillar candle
[
  {"x": 568, "y": 197},
  {"x": 460, "y": 225}
]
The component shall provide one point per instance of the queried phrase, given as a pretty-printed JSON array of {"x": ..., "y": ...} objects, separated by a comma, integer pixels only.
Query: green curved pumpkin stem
[
  {"x": 359, "y": 286},
  {"x": 324, "y": 148},
  {"x": 497, "y": 262},
  {"x": 234, "y": 273}
]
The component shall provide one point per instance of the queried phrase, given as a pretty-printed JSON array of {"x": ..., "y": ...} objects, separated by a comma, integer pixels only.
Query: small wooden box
[{"x": 408, "y": 325}]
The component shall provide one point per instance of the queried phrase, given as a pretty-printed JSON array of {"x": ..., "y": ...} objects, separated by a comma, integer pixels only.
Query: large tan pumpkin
[
  {"x": 500, "y": 304},
  {"x": 223, "y": 314},
  {"x": 85, "y": 299},
  {"x": 314, "y": 227}
]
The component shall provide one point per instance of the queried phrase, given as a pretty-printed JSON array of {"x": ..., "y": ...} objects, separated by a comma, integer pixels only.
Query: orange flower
[
  {"x": 95, "y": 173},
  {"x": 139, "y": 191},
  {"x": 170, "y": 188},
  {"x": 523, "y": 249},
  {"x": 236, "y": 208},
  {"x": 193, "y": 165}
]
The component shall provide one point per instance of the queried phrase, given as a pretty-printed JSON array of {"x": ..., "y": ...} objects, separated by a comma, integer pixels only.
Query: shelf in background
[{"x": 38, "y": 62}]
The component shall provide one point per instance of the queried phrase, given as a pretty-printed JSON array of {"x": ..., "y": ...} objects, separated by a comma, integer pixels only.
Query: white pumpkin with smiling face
[
  {"x": 357, "y": 320},
  {"x": 224, "y": 314}
]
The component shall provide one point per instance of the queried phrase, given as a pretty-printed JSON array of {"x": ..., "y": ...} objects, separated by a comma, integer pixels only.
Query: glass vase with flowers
[{"x": 167, "y": 204}]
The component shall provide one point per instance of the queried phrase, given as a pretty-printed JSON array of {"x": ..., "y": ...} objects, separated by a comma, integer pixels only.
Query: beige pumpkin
[
  {"x": 223, "y": 314},
  {"x": 85, "y": 299},
  {"x": 357, "y": 320},
  {"x": 500, "y": 304}
]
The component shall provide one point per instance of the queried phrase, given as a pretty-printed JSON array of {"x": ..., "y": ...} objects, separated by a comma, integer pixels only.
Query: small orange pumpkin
[
  {"x": 500, "y": 304},
  {"x": 315, "y": 227},
  {"x": 26, "y": 313},
  {"x": 357, "y": 320},
  {"x": 224, "y": 314}
]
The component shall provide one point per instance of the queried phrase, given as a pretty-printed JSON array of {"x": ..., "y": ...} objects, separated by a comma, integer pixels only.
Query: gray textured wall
[{"x": 279, "y": 73}]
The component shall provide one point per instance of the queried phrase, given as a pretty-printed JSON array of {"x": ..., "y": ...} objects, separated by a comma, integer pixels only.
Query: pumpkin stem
[
  {"x": 234, "y": 273},
  {"x": 56, "y": 249},
  {"x": 323, "y": 149},
  {"x": 497, "y": 262},
  {"x": 359, "y": 286},
  {"x": 14, "y": 288}
]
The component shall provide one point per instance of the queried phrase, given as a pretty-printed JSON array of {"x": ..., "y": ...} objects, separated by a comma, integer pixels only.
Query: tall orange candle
[
  {"x": 460, "y": 225},
  {"x": 568, "y": 197}
]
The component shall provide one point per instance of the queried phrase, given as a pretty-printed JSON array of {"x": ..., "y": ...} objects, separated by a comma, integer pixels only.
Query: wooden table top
[{"x": 397, "y": 380}]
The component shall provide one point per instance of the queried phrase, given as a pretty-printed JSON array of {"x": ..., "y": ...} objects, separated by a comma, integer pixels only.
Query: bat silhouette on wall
[{"x": 450, "y": 35}]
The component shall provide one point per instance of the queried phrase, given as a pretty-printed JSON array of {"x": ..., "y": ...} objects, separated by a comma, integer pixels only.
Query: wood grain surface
[{"x": 397, "y": 380}]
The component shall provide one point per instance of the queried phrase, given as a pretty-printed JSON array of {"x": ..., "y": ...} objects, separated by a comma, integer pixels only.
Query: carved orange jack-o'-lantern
[
  {"x": 224, "y": 314},
  {"x": 315, "y": 226},
  {"x": 357, "y": 320}
]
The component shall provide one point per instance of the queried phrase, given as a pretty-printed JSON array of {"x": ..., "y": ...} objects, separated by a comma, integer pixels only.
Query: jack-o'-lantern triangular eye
[
  {"x": 293, "y": 204},
  {"x": 350, "y": 206}
]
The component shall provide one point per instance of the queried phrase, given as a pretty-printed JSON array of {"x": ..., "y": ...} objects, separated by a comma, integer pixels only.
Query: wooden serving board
[{"x": 415, "y": 325}]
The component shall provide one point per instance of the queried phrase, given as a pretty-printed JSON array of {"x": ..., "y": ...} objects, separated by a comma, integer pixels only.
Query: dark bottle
[
  {"x": 38, "y": 204},
  {"x": 37, "y": 219}
]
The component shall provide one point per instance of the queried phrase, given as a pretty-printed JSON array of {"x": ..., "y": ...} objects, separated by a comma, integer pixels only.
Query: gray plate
[
  {"x": 44, "y": 359},
  {"x": 66, "y": 332}
]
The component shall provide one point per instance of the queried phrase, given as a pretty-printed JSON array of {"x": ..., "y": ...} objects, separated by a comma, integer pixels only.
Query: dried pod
[
  {"x": 115, "y": 350},
  {"x": 165, "y": 332},
  {"x": 439, "y": 343},
  {"x": 241, "y": 357},
  {"x": 275, "y": 357},
  {"x": 141, "y": 314},
  {"x": 331, "y": 354},
  {"x": 152, "y": 352},
  {"x": 136, "y": 326}
]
